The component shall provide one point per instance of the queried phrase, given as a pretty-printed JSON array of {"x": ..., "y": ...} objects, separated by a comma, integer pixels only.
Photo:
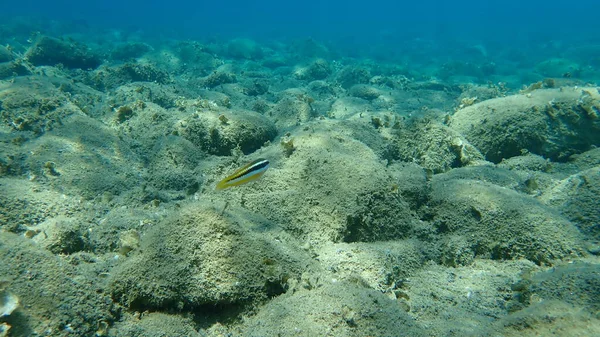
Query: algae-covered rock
[
  {"x": 554, "y": 123},
  {"x": 141, "y": 95},
  {"x": 154, "y": 324},
  {"x": 575, "y": 283},
  {"x": 527, "y": 162},
  {"x": 9, "y": 302},
  {"x": 576, "y": 197},
  {"x": 52, "y": 51},
  {"x": 21, "y": 207},
  {"x": 316, "y": 70},
  {"x": 175, "y": 166},
  {"x": 85, "y": 157},
  {"x": 6, "y": 55},
  {"x": 348, "y": 107},
  {"x": 62, "y": 235},
  {"x": 244, "y": 49},
  {"x": 546, "y": 318},
  {"x": 348, "y": 196},
  {"x": 332, "y": 309},
  {"x": 130, "y": 50},
  {"x": 364, "y": 91},
  {"x": 111, "y": 77},
  {"x": 498, "y": 176},
  {"x": 500, "y": 223},
  {"x": 220, "y": 133},
  {"x": 461, "y": 300},
  {"x": 351, "y": 75},
  {"x": 434, "y": 146},
  {"x": 34, "y": 105},
  {"x": 57, "y": 299},
  {"x": 218, "y": 77},
  {"x": 557, "y": 67},
  {"x": 292, "y": 110},
  {"x": 379, "y": 265},
  {"x": 204, "y": 255},
  {"x": 12, "y": 69}
]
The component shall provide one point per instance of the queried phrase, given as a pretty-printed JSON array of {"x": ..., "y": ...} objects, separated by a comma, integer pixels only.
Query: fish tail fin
[{"x": 221, "y": 185}]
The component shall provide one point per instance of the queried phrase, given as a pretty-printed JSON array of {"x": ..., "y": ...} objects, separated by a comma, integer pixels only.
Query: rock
[
  {"x": 334, "y": 309},
  {"x": 99, "y": 163},
  {"x": 218, "y": 77},
  {"x": 348, "y": 197},
  {"x": 375, "y": 264},
  {"x": 292, "y": 110},
  {"x": 557, "y": 67},
  {"x": 63, "y": 236},
  {"x": 4, "y": 328},
  {"x": 365, "y": 92},
  {"x": 553, "y": 123},
  {"x": 154, "y": 324},
  {"x": 14, "y": 68},
  {"x": 316, "y": 70},
  {"x": 51, "y": 51},
  {"x": 207, "y": 256},
  {"x": 128, "y": 51},
  {"x": 576, "y": 197},
  {"x": 221, "y": 132},
  {"x": 499, "y": 223},
  {"x": 351, "y": 75},
  {"x": 244, "y": 49},
  {"x": 8, "y": 303},
  {"x": 57, "y": 295},
  {"x": 434, "y": 146},
  {"x": 34, "y": 105},
  {"x": 5, "y": 54},
  {"x": 111, "y": 77}
]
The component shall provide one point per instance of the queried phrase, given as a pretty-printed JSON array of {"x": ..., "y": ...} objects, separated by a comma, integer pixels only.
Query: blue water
[
  {"x": 513, "y": 35},
  {"x": 506, "y": 21}
]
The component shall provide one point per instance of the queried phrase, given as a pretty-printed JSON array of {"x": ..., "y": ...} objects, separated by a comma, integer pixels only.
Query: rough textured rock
[
  {"x": 316, "y": 70},
  {"x": 486, "y": 220},
  {"x": 575, "y": 283},
  {"x": 292, "y": 110},
  {"x": 434, "y": 146},
  {"x": 554, "y": 123},
  {"x": 379, "y": 265},
  {"x": 576, "y": 197},
  {"x": 84, "y": 157},
  {"x": 5, "y": 54},
  {"x": 331, "y": 310},
  {"x": 14, "y": 68},
  {"x": 58, "y": 298},
  {"x": 51, "y": 51},
  {"x": 221, "y": 133},
  {"x": 105, "y": 78},
  {"x": 347, "y": 197},
  {"x": 155, "y": 324},
  {"x": 204, "y": 255},
  {"x": 34, "y": 105},
  {"x": 364, "y": 91}
]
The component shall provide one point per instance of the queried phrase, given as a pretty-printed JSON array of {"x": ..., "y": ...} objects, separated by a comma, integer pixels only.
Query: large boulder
[
  {"x": 554, "y": 123},
  {"x": 49, "y": 51},
  {"x": 207, "y": 255},
  {"x": 221, "y": 133},
  {"x": 479, "y": 219},
  {"x": 576, "y": 197}
]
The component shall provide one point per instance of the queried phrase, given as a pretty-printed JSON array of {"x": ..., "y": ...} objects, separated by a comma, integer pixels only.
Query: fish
[{"x": 245, "y": 174}]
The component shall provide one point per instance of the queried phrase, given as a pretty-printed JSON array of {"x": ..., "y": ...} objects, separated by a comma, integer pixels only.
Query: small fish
[{"x": 247, "y": 173}]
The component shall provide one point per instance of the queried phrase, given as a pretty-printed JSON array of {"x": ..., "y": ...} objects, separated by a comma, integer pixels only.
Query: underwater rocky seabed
[{"x": 397, "y": 203}]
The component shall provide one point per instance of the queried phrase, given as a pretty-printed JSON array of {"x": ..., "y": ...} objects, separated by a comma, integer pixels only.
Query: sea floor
[{"x": 424, "y": 192}]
